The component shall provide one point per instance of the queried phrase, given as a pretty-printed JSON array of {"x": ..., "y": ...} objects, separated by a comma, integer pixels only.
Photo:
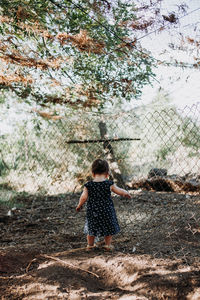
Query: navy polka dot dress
[{"x": 101, "y": 218}]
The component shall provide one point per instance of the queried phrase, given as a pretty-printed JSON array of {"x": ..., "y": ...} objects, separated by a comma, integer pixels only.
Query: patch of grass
[{"x": 10, "y": 198}]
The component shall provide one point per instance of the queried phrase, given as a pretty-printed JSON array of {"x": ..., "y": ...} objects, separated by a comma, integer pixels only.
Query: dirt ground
[{"x": 156, "y": 256}]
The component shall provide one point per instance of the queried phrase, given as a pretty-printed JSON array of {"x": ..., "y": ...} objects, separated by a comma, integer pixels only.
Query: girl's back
[
  {"x": 101, "y": 216},
  {"x": 99, "y": 193}
]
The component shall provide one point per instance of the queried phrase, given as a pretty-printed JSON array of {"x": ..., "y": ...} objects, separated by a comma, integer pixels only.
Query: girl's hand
[
  {"x": 78, "y": 208},
  {"x": 83, "y": 199},
  {"x": 127, "y": 195},
  {"x": 115, "y": 189}
]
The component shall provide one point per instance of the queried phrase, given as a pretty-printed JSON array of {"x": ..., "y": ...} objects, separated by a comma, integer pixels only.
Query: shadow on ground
[{"x": 156, "y": 254}]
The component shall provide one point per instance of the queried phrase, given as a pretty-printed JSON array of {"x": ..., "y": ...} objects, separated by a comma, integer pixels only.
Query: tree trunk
[{"x": 110, "y": 156}]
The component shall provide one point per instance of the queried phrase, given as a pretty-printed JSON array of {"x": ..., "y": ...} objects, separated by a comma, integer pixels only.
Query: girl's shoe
[
  {"x": 89, "y": 248},
  {"x": 108, "y": 247}
]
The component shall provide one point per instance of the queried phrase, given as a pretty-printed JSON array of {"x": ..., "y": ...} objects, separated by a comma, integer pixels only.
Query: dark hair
[{"x": 100, "y": 166}]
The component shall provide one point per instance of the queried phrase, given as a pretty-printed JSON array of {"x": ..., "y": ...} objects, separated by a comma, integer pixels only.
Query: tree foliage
[{"x": 77, "y": 53}]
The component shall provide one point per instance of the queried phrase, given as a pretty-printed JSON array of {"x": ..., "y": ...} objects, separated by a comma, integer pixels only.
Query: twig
[
  {"x": 68, "y": 264},
  {"x": 13, "y": 276},
  {"x": 30, "y": 263},
  {"x": 68, "y": 251},
  {"x": 63, "y": 253}
]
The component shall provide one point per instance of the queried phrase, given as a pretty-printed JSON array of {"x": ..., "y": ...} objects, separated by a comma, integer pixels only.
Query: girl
[{"x": 101, "y": 218}]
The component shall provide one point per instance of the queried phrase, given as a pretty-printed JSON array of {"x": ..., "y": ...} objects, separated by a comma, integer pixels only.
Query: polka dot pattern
[{"x": 101, "y": 217}]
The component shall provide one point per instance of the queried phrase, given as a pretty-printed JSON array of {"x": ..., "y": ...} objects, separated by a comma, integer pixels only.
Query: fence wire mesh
[{"x": 157, "y": 150}]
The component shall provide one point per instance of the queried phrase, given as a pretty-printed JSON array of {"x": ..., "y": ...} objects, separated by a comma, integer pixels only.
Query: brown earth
[{"x": 156, "y": 254}]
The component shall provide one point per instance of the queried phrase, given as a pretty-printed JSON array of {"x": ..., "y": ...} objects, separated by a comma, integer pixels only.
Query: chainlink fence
[
  {"x": 45, "y": 164},
  {"x": 157, "y": 149}
]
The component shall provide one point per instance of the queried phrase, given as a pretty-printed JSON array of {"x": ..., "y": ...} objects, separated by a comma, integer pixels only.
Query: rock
[
  {"x": 9, "y": 213},
  {"x": 157, "y": 172},
  {"x": 134, "y": 249},
  {"x": 193, "y": 182},
  {"x": 160, "y": 184},
  {"x": 5, "y": 219}
]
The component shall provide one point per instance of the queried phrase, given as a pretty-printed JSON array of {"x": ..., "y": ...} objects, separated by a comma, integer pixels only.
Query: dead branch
[
  {"x": 68, "y": 251},
  {"x": 46, "y": 115},
  {"x": 68, "y": 264},
  {"x": 30, "y": 263}
]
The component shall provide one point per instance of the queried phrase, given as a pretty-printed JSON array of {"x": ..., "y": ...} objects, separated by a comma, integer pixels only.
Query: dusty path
[{"x": 156, "y": 255}]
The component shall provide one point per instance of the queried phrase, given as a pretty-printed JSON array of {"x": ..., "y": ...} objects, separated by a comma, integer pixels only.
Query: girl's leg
[
  {"x": 108, "y": 240},
  {"x": 90, "y": 240}
]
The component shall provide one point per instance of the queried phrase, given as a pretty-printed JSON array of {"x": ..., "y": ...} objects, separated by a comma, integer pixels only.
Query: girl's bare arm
[
  {"x": 83, "y": 199},
  {"x": 115, "y": 189}
]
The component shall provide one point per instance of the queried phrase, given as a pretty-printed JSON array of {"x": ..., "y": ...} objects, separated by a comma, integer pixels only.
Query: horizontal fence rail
[{"x": 100, "y": 141}]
